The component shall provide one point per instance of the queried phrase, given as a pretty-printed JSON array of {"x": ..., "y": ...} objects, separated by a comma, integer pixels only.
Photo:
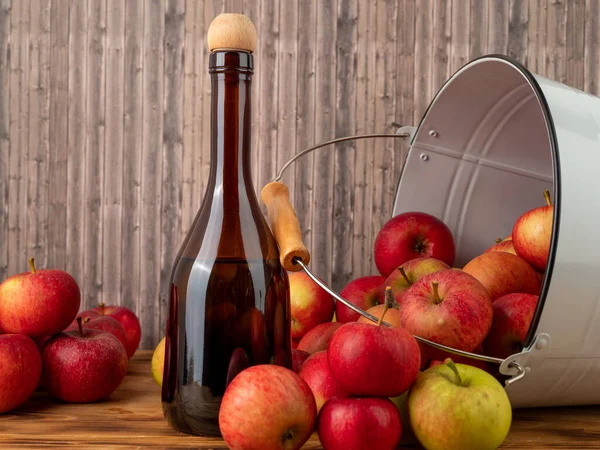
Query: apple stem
[
  {"x": 436, "y": 293},
  {"x": 452, "y": 366},
  {"x": 547, "y": 197},
  {"x": 498, "y": 240},
  {"x": 389, "y": 303},
  {"x": 80, "y": 325},
  {"x": 101, "y": 308},
  {"x": 32, "y": 265},
  {"x": 403, "y": 273}
]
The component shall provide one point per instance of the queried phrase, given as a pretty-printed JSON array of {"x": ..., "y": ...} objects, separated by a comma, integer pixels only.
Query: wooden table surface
[{"x": 132, "y": 419}]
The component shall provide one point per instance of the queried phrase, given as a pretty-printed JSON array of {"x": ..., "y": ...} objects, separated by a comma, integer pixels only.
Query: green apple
[{"x": 458, "y": 406}]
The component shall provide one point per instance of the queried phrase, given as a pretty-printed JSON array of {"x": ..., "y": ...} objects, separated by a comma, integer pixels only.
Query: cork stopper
[{"x": 230, "y": 31}]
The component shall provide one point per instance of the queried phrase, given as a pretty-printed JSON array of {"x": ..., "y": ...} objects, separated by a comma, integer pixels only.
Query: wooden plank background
[{"x": 104, "y": 120}]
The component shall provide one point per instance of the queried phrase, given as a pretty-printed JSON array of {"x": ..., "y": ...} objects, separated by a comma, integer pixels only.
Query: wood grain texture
[
  {"x": 38, "y": 129},
  {"x": 59, "y": 134},
  {"x": 19, "y": 137},
  {"x": 112, "y": 202},
  {"x": 5, "y": 29},
  {"x": 132, "y": 153},
  {"x": 170, "y": 211},
  {"x": 76, "y": 144},
  {"x": 362, "y": 254},
  {"x": 132, "y": 418},
  {"x": 305, "y": 119},
  {"x": 344, "y": 157},
  {"x": 148, "y": 301},
  {"x": 325, "y": 113},
  {"x": 94, "y": 155},
  {"x": 105, "y": 125}
]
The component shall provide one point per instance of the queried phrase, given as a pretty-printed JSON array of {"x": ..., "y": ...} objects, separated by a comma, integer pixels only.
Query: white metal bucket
[{"x": 493, "y": 138}]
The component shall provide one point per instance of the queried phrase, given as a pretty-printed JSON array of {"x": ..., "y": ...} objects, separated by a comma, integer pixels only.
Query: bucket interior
[{"x": 481, "y": 156}]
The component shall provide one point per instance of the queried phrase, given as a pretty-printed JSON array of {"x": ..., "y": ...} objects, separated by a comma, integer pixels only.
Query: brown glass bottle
[{"x": 229, "y": 301}]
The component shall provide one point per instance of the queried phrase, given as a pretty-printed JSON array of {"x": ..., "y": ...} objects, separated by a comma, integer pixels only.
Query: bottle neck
[{"x": 231, "y": 80}]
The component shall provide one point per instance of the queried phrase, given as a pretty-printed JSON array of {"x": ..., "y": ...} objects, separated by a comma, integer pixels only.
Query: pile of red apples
[
  {"x": 362, "y": 383},
  {"x": 47, "y": 345}
]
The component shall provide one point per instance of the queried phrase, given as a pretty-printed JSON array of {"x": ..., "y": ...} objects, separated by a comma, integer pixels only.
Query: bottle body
[{"x": 229, "y": 295}]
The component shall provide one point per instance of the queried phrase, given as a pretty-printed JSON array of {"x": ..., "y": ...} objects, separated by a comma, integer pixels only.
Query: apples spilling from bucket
[
  {"x": 47, "y": 344},
  {"x": 364, "y": 383}
]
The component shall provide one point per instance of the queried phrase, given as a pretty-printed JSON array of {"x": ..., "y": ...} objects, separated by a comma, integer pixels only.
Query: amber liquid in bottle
[{"x": 229, "y": 301}]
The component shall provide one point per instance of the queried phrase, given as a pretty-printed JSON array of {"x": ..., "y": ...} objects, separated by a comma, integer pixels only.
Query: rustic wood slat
[
  {"x": 252, "y": 10},
  {"x": 172, "y": 149},
  {"x": 305, "y": 118},
  {"x": 152, "y": 169},
  {"x": 591, "y": 60},
  {"x": 344, "y": 158},
  {"x": 112, "y": 205},
  {"x": 575, "y": 43},
  {"x": 132, "y": 418},
  {"x": 518, "y": 30},
  {"x": 76, "y": 144},
  {"x": 285, "y": 146},
  {"x": 268, "y": 90},
  {"x": 188, "y": 182},
  {"x": 442, "y": 26},
  {"x": 94, "y": 153},
  {"x": 19, "y": 147},
  {"x": 498, "y": 26},
  {"x": 5, "y": 92},
  {"x": 362, "y": 251},
  {"x": 536, "y": 36},
  {"x": 325, "y": 113},
  {"x": 555, "y": 42},
  {"x": 423, "y": 57},
  {"x": 58, "y": 136},
  {"x": 384, "y": 183},
  {"x": 203, "y": 100},
  {"x": 478, "y": 28},
  {"x": 459, "y": 37},
  {"x": 405, "y": 73},
  {"x": 38, "y": 129},
  {"x": 132, "y": 154}
]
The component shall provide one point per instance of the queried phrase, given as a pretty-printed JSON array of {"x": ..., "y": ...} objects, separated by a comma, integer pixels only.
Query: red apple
[
  {"x": 513, "y": 314},
  {"x": 104, "y": 323},
  {"x": 267, "y": 407},
  {"x": 373, "y": 361},
  {"x": 359, "y": 424},
  {"x": 82, "y": 366},
  {"x": 411, "y": 271},
  {"x": 239, "y": 361},
  {"x": 315, "y": 371},
  {"x": 412, "y": 235},
  {"x": 318, "y": 338},
  {"x": 295, "y": 343},
  {"x": 40, "y": 302},
  {"x": 129, "y": 321},
  {"x": 449, "y": 307},
  {"x": 310, "y": 304},
  {"x": 392, "y": 316},
  {"x": 363, "y": 292},
  {"x": 505, "y": 245},
  {"x": 532, "y": 233},
  {"x": 502, "y": 273},
  {"x": 298, "y": 358},
  {"x": 20, "y": 370}
]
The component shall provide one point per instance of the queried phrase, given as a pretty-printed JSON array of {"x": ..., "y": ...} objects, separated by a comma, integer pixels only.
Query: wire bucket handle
[{"x": 295, "y": 256}]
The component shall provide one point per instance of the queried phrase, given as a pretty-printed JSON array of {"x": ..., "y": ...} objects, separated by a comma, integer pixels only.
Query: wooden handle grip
[
  {"x": 231, "y": 32},
  {"x": 285, "y": 226}
]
